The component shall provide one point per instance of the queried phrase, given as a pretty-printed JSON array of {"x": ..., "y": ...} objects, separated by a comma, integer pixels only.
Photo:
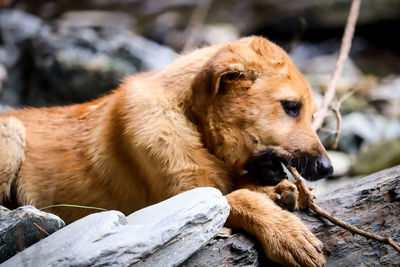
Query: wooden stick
[
  {"x": 343, "y": 54},
  {"x": 41, "y": 229},
  {"x": 336, "y": 110},
  {"x": 308, "y": 198},
  {"x": 195, "y": 24}
]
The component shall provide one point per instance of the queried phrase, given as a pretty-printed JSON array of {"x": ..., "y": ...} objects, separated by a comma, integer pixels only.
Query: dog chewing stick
[{"x": 306, "y": 199}]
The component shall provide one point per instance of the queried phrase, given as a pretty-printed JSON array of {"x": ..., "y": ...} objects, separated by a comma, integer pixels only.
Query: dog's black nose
[
  {"x": 324, "y": 167},
  {"x": 314, "y": 167}
]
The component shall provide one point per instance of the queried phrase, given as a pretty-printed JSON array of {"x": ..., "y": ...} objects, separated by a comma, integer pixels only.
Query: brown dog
[{"x": 214, "y": 117}]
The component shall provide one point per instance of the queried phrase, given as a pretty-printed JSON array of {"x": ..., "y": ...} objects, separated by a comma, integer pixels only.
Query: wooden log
[{"x": 371, "y": 203}]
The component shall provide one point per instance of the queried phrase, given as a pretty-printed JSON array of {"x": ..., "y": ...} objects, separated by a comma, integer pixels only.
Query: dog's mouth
[{"x": 266, "y": 168}]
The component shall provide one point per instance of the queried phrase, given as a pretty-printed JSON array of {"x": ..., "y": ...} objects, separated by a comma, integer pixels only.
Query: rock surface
[
  {"x": 360, "y": 129},
  {"x": 78, "y": 63},
  {"x": 371, "y": 203},
  {"x": 3, "y": 211},
  {"x": 3, "y": 75},
  {"x": 386, "y": 97},
  {"x": 340, "y": 161},
  {"x": 24, "y": 226},
  {"x": 60, "y": 63},
  {"x": 16, "y": 28},
  {"x": 376, "y": 157},
  {"x": 239, "y": 249},
  {"x": 164, "y": 234},
  {"x": 247, "y": 16}
]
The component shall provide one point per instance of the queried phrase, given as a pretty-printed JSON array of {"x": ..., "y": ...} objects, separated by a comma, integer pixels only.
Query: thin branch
[
  {"x": 347, "y": 95},
  {"x": 327, "y": 130},
  {"x": 336, "y": 110},
  {"x": 307, "y": 199},
  {"x": 335, "y": 107},
  {"x": 72, "y": 206},
  {"x": 41, "y": 229},
  {"x": 343, "y": 54},
  {"x": 195, "y": 23}
]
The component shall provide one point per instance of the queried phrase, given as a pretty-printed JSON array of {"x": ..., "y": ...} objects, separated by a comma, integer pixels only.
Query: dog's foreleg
[
  {"x": 285, "y": 239},
  {"x": 12, "y": 153}
]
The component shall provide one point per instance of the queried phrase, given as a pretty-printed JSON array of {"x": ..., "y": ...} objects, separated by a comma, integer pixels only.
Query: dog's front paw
[
  {"x": 286, "y": 195},
  {"x": 292, "y": 244}
]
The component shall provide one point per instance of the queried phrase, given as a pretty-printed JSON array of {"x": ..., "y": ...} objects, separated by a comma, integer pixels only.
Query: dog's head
[{"x": 254, "y": 110}]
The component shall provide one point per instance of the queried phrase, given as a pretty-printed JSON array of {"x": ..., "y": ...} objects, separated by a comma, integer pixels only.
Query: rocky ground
[
  {"x": 165, "y": 234},
  {"x": 186, "y": 230}
]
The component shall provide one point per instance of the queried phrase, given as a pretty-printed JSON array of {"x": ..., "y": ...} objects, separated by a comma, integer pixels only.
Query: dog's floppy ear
[{"x": 207, "y": 83}]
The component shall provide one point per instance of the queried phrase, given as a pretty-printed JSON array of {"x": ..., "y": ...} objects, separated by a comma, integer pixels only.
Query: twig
[
  {"x": 72, "y": 206},
  {"x": 336, "y": 110},
  {"x": 307, "y": 198},
  {"x": 343, "y": 54},
  {"x": 335, "y": 107},
  {"x": 195, "y": 23},
  {"x": 41, "y": 229}
]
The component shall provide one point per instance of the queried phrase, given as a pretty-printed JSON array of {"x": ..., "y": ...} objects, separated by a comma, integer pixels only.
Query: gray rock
[
  {"x": 386, "y": 97},
  {"x": 164, "y": 234},
  {"x": 23, "y": 227},
  {"x": 359, "y": 129},
  {"x": 239, "y": 249},
  {"x": 340, "y": 161},
  {"x": 387, "y": 90},
  {"x": 377, "y": 157},
  {"x": 78, "y": 63},
  {"x": 4, "y": 108},
  {"x": 16, "y": 28},
  {"x": 3, "y": 211},
  {"x": 66, "y": 62},
  {"x": 3, "y": 75},
  {"x": 97, "y": 18}
]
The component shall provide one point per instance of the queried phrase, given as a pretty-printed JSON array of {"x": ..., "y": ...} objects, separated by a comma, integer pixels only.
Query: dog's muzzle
[
  {"x": 312, "y": 168},
  {"x": 324, "y": 167},
  {"x": 266, "y": 167}
]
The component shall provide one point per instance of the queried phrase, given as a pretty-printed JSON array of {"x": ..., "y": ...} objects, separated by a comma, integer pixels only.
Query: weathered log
[{"x": 371, "y": 203}]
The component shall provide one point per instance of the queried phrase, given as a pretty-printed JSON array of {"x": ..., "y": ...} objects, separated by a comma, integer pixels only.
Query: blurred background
[{"x": 70, "y": 51}]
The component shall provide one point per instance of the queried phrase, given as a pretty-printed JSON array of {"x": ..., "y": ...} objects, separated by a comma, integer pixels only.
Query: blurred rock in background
[
  {"x": 62, "y": 63},
  {"x": 376, "y": 157},
  {"x": 15, "y": 28},
  {"x": 76, "y": 64}
]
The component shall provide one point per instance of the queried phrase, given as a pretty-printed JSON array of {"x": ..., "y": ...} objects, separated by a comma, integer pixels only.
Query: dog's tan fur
[{"x": 194, "y": 123}]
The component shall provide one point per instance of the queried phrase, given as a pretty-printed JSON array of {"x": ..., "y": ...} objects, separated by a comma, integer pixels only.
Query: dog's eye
[{"x": 292, "y": 108}]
